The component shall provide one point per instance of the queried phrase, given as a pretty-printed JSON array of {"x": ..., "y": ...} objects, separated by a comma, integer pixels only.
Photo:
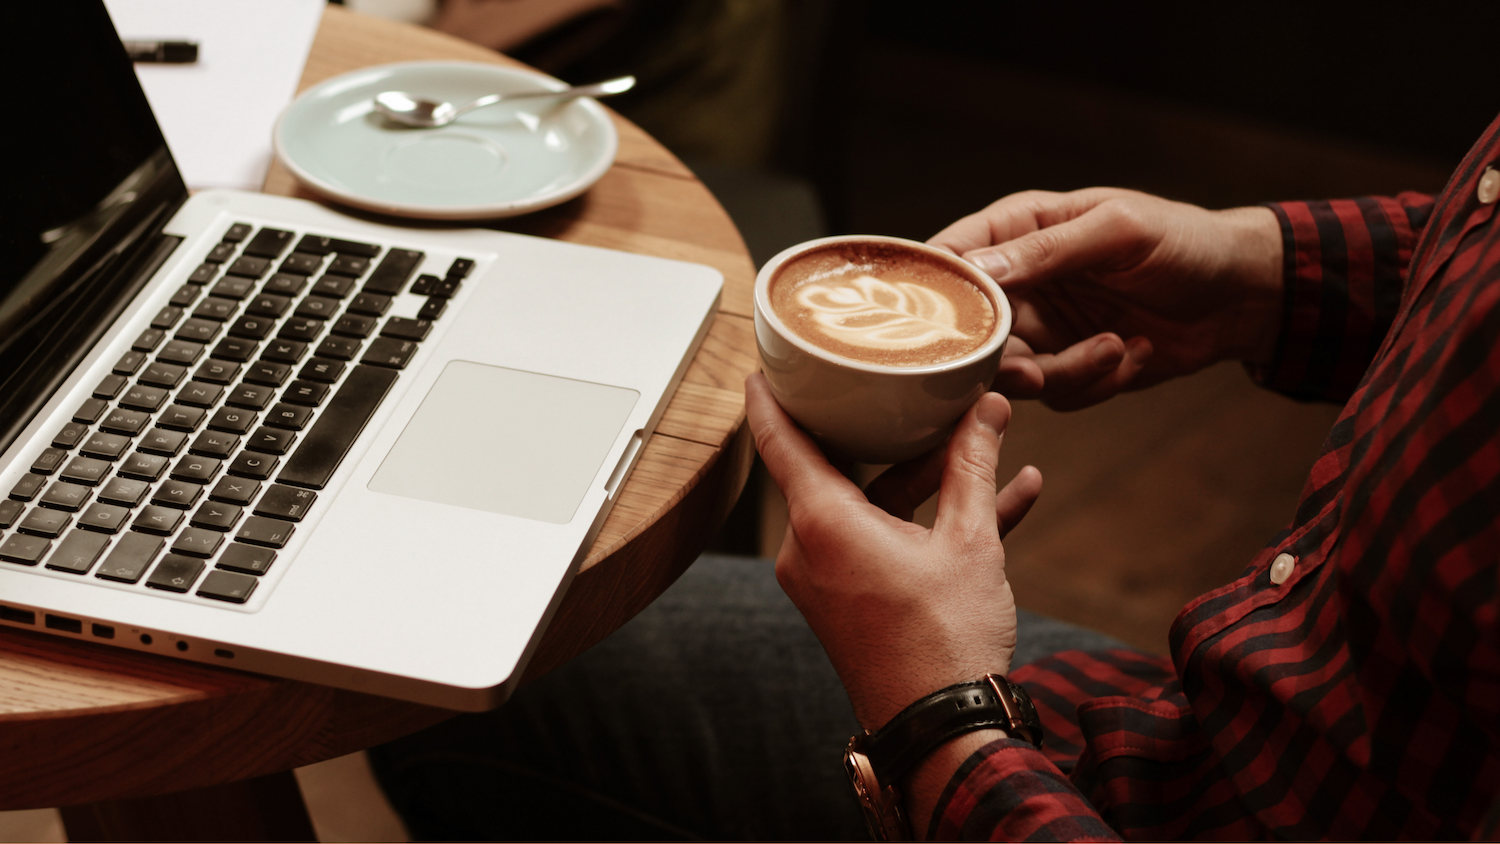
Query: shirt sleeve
[
  {"x": 1008, "y": 791},
  {"x": 1345, "y": 267}
]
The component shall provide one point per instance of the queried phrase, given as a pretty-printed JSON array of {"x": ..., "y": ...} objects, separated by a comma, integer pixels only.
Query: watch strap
[{"x": 990, "y": 703}]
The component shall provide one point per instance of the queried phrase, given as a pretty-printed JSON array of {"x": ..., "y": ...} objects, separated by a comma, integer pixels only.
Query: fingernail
[
  {"x": 992, "y": 414},
  {"x": 993, "y": 262}
]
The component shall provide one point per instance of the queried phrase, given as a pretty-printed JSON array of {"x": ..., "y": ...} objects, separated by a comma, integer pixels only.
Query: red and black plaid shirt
[{"x": 1360, "y": 698}]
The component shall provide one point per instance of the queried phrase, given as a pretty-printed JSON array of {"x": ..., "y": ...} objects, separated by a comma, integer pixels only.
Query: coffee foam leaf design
[{"x": 872, "y": 313}]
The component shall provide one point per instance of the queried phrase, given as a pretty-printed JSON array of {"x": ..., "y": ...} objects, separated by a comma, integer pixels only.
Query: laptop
[{"x": 253, "y": 432}]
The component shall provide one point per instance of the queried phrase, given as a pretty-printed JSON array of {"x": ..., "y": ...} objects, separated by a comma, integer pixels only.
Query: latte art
[{"x": 875, "y": 314}]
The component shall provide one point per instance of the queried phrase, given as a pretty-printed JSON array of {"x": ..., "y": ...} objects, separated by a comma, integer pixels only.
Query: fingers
[
  {"x": 1016, "y": 215},
  {"x": 1107, "y": 236},
  {"x": 1069, "y": 385},
  {"x": 968, "y": 484},
  {"x": 795, "y": 463},
  {"x": 1014, "y": 501},
  {"x": 901, "y": 489}
]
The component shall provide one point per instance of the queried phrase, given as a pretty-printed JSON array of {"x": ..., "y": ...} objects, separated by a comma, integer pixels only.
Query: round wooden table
[{"x": 137, "y": 746}]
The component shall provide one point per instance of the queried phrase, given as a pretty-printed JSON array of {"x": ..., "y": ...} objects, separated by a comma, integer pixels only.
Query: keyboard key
[
  {"x": 322, "y": 370},
  {"x": 254, "y": 465},
  {"x": 180, "y": 417},
  {"x": 302, "y": 263},
  {"x": 86, "y": 470},
  {"x": 199, "y": 330},
  {"x": 268, "y": 305},
  {"x": 166, "y": 318},
  {"x": 217, "y": 308},
  {"x": 285, "y": 502},
  {"x": 220, "y": 253},
  {"x": 175, "y": 573},
  {"x": 156, "y": 519},
  {"x": 9, "y": 512},
  {"x": 250, "y": 328},
  {"x": 334, "y": 286},
  {"x": 394, "y": 271},
  {"x": 78, "y": 552},
  {"x": 199, "y": 470},
  {"x": 370, "y": 304},
  {"x": 350, "y": 265},
  {"x": 269, "y": 373},
  {"x": 215, "y": 444},
  {"x": 271, "y": 440},
  {"x": 199, "y": 394},
  {"x": 141, "y": 397},
  {"x": 110, "y": 386},
  {"x": 130, "y": 362},
  {"x": 27, "y": 550},
  {"x": 250, "y": 396},
  {"x": 70, "y": 434},
  {"x": 198, "y": 542},
  {"x": 131, "y": 556},
  {"x": 204, "y": 273},
  {"x": 249, "y": 266},
  {"x": 105, "y": 518},
  {"x": 235, "y": 491},
  {"x": 340, "y": 423},
  {"x": 391, "y": 352},
  {"x": 424, "y": 285},
  {"x": 433, "y": 308},
  {"x": 218, "y": 371},
  {"x": 316, "y": 245},
  {"x": 49, "y": 461},
  {"x": 214, "y": 515},
  {"x": 338, "y": 348},
  {"x": 247, "y": 558},
  {"x": 43, "y": 522},
  {"x": 226, "y": 294},
  {"x": 163, "y": 441},
  {"x": 106, "y": 446},
  {"x": 308, "y": 393},
  {"x": 289, "y": 416},
  {"x": 27, "y": 487},
  {"x": 354, "y": 325},
  {"x": 127, "y": 422},
  {"x": 124, "y": 492},
  {"x": 148, "y": 340},
  {"x": 406, "y": 329},
  {"x": 227, "y": 586},
  {"x": 163, "y": 375},
  {"x": 284, "y": 351},
  {"x": 62, "y": 495},
  {"x": 269, "y": 533},
  {"x": 180, "y": 351},
  {"x": 285, "y": 284},
  {"x": 301, "y": 329},
  {"x": 269, "y": 243},
  {"x": 317, "y": 307},
  {"x": 460, "y": 268},
  {"x": 447, "y": 288},
  {"x": 144, "y": 467},
  {"x": 236, "y": 349},
  {"x": 90, "y": 411},
  {"x": 237, "y": 232},
  {"x": 176, "y": 494},
  {"x": 185, "y": 295},
  {"x": 232, "y": 420}
]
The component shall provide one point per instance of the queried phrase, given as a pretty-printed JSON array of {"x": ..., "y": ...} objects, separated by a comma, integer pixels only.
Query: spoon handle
[{"x": 598, "y": 89}]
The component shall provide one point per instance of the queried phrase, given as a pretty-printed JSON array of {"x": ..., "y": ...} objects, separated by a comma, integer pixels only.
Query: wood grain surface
[{"x": 81, "y": 723}]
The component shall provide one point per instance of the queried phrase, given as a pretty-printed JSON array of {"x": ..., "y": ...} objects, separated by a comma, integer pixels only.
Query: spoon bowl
[{"x": 422, "y": 113}]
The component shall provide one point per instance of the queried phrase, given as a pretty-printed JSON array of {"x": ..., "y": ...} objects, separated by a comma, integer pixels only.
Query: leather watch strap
[{"x": 993, "y": 702}]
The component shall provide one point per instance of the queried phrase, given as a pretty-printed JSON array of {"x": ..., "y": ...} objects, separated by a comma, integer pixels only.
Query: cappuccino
[{"x": 882, "y": 303}]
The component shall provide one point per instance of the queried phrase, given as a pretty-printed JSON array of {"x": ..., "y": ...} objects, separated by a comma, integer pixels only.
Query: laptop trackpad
[{"x": 506, "y": 441}]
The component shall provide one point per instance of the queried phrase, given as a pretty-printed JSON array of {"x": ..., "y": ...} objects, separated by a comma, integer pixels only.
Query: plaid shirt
[{"x": 1359, "y": 698}]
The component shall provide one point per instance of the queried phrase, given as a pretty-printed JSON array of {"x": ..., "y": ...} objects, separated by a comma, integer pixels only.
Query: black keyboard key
[
  {"x": 301, "y": 263},
  {"x": 406, "y": 329},
  {"x": 394, "y": 271},
  {"x": 354, "y": 325},
  {"x": 180, "y": 417},
  {"x": 301, "y": 329},
  {"x": 215, "y": 444},
  {"x": 309, "y": 393},
  {"x": 237, "y": 232},
  {"x": 216, "y": 371},
  {"x": 127, "y": 422},
  {"x": 179, "y": 495},
  {"x": 227, "y": 586},
  {"x": 433, "y": 308},
  {"x": 185, "y": 295},
  {"x": 284, "y": 351},
  {"x": 164, "y": 442},
  {"x": 268, "y": 440},
  {"x": 159, "y": 374},
  {"x": 268, "y": 304},
  {"x": 62, "y": 495},
  {"x": 269, "y": 243},
  {"x": 90, "y": 411},
  {"x": 249, "y": 266},
  {"x": 199, "y": 330},
  {"x": 269, "y": 373},
  {"x": 232, "y": 420},
  {"x": 251, "y": 396},
  {"x": 322, "y": 370},
  {"x": 166, "y": 318},
  {"x": 317, "y": 307},
  {"x": 334, "y": 286},
  {"x": 214, "y": 515},
  {"x": 86, "y": 470},
  {"x": 370, "y": 304},
  {"x": 391, "y": 352},
  {"x": 141, "y": 397},
  {"x": 236, "y": 349},
  {"x": 156, "y": 519},
  {"x": 199, "y": 470},
  {"x": 124, "y": 492},
  {"x": 105, "y": 518},
  {"x": 340, "y": 423},
  {"x": 43, "y": 522},
  {"x": 460, "y": 268},
  {"x": 198, "y": 542},
  {"x": 216, "y": 308},
  {"x": 49, "y": 461},
  {"x": 251, "y": 328},
  {"x": 110, "y": 386},
  {"x": 78, "y": 552},
  {"x": 228, "y": 292},
  {"x": 144, "y": 467},
  {"x": 285, "y": 502},
  {"x": 131, "y": 556},
  {"x": 269, "y": 533},
  {"x": 350, "y": 265},
  {"x": 27, "y": 487},
  {"x": 447, "y": 288},
  {"x": 235, "y": 491},
  {"x": 70, "y": 434},
  {"x": 130, "y": 362},
  {"x": 148, "y": 340},
  {"x": 175, "y": 573},
  {"x": 200, "y": 394},
  {"x": 289, "y": 416},
  {"x": 9, "y": 512},
  {"x": 204, "y": 273},
  {"x": 180, "y": 352},
  {"x": 27, "y": 550},
  {"x": 106, "y": 446},
  {"x": 247, "y": 558},
  {"x": 424, "y": 285},
  {"x": 285, "y": 284},
  {"x": 316, "y": 245},
  {"x": 338, "y": 348},
  {"x": 221, "y": 253}
]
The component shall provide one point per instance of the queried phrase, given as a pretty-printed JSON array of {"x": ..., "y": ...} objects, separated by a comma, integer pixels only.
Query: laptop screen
[{"x": 87, "y": 182}]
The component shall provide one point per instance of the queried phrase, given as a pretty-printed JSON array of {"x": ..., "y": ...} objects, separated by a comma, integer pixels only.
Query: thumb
[{"x": 1102, "y": 238}]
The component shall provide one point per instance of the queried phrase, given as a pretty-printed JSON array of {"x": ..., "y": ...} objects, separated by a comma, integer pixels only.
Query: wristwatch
[{"x": 876, "y": 761}]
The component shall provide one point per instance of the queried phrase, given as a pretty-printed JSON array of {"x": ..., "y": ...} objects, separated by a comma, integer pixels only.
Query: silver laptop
[{"x": 253, "y": 432}]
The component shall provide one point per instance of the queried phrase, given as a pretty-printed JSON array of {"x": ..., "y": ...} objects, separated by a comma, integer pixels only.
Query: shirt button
[
  {"x": 1489, "y": 186},
  {"x": 1281, "y": 568}
]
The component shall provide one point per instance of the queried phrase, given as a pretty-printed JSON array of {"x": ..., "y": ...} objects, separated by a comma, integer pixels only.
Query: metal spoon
[{"x": 410, "y": 110}]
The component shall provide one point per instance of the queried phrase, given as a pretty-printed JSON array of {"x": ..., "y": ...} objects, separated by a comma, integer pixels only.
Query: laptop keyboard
[{"x": 195, "y": 459}]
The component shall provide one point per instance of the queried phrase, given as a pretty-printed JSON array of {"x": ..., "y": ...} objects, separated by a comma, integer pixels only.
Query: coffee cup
[{"x": 877, "y": 345}]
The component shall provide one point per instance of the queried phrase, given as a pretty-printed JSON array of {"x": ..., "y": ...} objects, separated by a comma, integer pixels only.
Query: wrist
[{"x": 1255, "y": 273}]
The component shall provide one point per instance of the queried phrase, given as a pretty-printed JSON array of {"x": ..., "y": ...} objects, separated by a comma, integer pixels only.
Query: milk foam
[{"x": 873, "y": 313}]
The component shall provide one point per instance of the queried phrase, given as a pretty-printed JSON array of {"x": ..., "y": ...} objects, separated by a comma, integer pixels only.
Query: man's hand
[
  {"x": 901, "y": 610},
  {"x": 1185, "y": 287}
]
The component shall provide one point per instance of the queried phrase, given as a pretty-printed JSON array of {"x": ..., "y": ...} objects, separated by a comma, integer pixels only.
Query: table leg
[{"x": 267, "y": 808}]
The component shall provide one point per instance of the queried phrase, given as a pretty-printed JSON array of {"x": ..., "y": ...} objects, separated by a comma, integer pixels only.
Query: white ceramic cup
[{"x": 868, "y": 412}]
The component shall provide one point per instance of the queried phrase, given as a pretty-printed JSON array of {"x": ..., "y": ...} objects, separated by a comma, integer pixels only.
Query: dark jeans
[{"x": 713, "y": 714}]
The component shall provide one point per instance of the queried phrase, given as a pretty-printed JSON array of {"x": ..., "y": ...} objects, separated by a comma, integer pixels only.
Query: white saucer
[{"x": 499, "y": 161}]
